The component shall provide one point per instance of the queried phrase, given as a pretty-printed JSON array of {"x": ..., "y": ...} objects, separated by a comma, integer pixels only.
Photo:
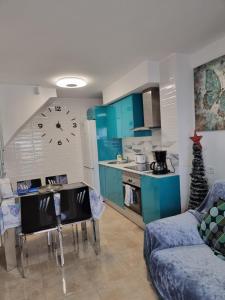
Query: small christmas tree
[{"x": 199, "y": 184}]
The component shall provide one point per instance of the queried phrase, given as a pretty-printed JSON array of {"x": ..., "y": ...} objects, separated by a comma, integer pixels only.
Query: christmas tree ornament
[{"x": 199, "y": 184}]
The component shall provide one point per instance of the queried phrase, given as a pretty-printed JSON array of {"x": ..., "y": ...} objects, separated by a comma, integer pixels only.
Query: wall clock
[{"x": 57, "y": 125}]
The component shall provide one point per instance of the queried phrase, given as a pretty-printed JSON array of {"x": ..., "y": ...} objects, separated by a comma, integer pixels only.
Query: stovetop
[{"x": 140, "y": 167}]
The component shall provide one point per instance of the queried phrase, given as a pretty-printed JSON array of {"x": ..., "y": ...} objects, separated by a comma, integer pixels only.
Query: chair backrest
[
  {"x": 62, "y": 179},
  {"x": 37, "y": 213},
  {"x": 25, "y": 186},
  {"x": 75, "y": 205}
]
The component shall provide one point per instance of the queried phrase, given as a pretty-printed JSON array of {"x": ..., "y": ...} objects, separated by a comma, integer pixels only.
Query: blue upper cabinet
[
  {"x": 107, "y": 148},
  {"x": 124, "y": 115},
  {"x": 128, "y": 117},
  {"x": 91, "y": 113}
]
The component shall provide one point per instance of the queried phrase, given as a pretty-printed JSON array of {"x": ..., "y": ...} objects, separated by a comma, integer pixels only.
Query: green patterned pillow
[{"x": 212, "y": 228}]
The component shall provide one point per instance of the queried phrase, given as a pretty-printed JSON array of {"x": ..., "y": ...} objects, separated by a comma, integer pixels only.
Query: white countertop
[{"x": 122, "y": 166}]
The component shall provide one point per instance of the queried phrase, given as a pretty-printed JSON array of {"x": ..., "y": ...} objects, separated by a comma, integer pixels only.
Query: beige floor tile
[{"x": 117, "y": 273}]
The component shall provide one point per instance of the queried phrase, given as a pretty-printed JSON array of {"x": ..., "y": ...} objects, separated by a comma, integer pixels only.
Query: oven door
[{"x": 136, "y": 205}]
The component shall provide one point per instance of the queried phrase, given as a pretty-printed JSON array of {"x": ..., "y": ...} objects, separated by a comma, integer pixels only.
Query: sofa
[{"x": 181, "y": 266}]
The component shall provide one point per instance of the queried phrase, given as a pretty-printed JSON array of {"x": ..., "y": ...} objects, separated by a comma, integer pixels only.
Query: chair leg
[
  {"x": 77, "y": 236},
  {"x": 26, "y": 247},
  {"x": 21, "y": 245},
  {"x": 61, "y": 247},
  {"x": 49, "y": 239},
  {"x": 74, "y": 238},
  {"x": 96, "y": 234},
  {"x": 84, "y": 231},
  {"x": 55, "y": 247}
]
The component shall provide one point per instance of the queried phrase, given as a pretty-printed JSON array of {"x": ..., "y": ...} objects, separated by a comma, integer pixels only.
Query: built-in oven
[{"x": 132, "y": 191}]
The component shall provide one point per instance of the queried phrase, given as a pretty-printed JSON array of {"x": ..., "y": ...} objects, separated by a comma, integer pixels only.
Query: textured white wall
[
  {"x": 29, "y": 155},
  {"x": 17, "y": 104}
]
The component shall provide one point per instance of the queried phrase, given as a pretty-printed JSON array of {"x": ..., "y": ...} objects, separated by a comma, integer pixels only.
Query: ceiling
[{"x": 100, "y": 40}]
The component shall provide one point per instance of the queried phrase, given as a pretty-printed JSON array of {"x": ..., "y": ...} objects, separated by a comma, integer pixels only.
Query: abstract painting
[{"x": 209, "y": 88}]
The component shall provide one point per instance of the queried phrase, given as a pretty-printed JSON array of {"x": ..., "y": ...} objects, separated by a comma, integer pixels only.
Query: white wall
[
  {"x": 146, "y": 74},
  {"x": 177, "y": 113},
  {"x": 17, "y": 104},
  {"x": 29, "y": 155},
  {"x": 178, "y": 116},
  {"x": 213, "y": 141}
]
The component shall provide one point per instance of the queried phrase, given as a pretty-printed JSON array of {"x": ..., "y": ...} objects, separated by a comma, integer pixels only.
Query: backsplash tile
[
  {"x": 132, "y": 146},
  {"x": 145, "y": 145}
]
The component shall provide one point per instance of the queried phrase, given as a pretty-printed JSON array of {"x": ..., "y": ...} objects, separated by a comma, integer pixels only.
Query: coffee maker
[{"x": 159, "y": 166}]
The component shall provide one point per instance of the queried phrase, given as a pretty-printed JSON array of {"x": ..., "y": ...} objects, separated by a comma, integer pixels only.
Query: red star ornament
[{"x": 196, "y": 138}]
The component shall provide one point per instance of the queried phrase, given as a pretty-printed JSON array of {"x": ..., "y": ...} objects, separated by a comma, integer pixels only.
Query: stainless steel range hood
[{"x": 151, "y": 110}]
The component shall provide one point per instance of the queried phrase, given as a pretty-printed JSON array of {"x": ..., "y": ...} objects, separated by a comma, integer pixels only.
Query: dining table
[{"x": 10, "y": 217}]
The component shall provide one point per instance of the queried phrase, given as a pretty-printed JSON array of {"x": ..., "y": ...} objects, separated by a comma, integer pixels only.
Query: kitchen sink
[{"x": 115, "y": 162}]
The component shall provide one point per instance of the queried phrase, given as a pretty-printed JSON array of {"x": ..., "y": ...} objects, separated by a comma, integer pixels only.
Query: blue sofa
[{"x": 180, "y": 264}]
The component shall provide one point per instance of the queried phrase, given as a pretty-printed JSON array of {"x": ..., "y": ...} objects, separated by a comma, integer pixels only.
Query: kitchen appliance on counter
[
  {"x": 140, "y": 158},
  {"x": 133, "y": 182},
  {"x": 159, "y": 166},
  {"x": 90, "y": 154}
]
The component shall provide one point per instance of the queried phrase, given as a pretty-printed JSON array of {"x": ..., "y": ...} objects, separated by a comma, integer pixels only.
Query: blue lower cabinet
[
  {"x": 111, "y": 185},
  {"x": 160, "y": 197},
  {"x": 102, "y": 172}
]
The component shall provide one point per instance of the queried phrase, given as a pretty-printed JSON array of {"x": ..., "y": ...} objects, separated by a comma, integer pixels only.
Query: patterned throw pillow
[{"x": 212, "y": 228}]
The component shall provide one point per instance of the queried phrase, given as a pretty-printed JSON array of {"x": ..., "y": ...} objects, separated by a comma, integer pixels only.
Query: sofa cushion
[
  {"x": 188, "y": 272},
  {"x": 180, "y": 230},
  {"x": 212, "y": 227}
]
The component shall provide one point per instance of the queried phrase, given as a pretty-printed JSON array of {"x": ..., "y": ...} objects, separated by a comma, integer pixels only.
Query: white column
[{"x": 177, "y": 113}]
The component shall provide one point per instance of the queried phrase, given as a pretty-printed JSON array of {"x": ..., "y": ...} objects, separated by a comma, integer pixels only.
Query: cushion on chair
[
  {"x": 188, "y": 272},
  {"x": 212, "y": 228}
]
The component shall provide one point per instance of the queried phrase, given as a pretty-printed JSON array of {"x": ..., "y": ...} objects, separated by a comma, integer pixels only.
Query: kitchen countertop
[{"x": 122, "y": 166}]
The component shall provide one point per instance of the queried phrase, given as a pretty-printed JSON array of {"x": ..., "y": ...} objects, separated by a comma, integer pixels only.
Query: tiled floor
[{"x": 118, "y": 273}]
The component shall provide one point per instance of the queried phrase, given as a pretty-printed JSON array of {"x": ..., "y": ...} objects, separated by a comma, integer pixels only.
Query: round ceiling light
[{"x": 71, "y": 82}]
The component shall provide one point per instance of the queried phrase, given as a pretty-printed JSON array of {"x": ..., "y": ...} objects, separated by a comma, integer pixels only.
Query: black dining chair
[
  {"x": 76, "y": 209},
  {"x": 30, "y": 185},
  {"x": 38, "y": 215},
  {"x": 60, "y": 179}
]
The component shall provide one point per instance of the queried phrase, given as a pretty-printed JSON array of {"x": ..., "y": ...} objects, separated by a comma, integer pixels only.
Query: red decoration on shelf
[{"x": 196, "y": 138}]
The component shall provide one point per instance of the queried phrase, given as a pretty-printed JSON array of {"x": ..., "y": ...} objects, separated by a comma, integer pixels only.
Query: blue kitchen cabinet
[
  {"x": 160, "y": 197},
  {"x": 114, "y": 120},
  {"x": 129, "y": 117},
  {"x": 111, "y": 185},
  {"x": 102, "y": 177},
  {"x": 124, "y": 115},
  {"x": 111, "y": 122},
  {"x": 101, "y": 117},
  {"x": 91, "y": 113},
  {"x": 108, "y": 148}
]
